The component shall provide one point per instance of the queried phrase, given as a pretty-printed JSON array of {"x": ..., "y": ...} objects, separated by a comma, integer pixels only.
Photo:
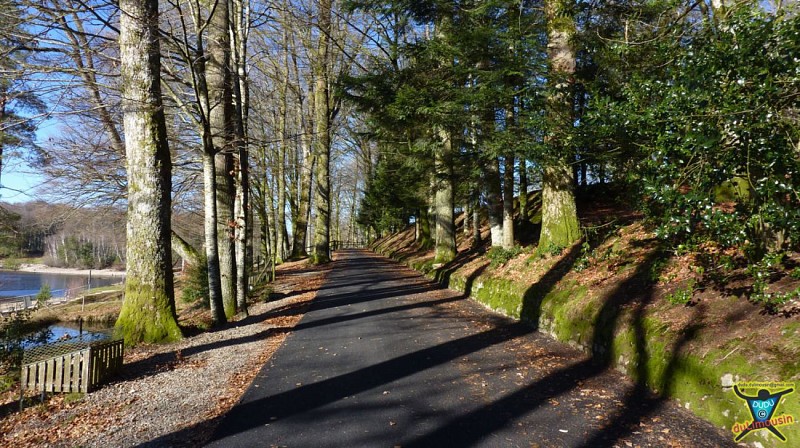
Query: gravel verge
[{"x": 166, "y": 388}]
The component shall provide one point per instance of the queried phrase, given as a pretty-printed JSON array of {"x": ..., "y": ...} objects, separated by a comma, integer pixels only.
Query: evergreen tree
[{"x": 17, "y": 99}]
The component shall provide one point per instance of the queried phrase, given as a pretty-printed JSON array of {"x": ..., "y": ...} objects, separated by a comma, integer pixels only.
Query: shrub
[
  {"x": 44, "y": 294},
  {"x": 195, "y": 285},
  {"x": 499, "y": 256},
  {"x": 682, "y": 296},
  {"x": 16, "y": 332}
]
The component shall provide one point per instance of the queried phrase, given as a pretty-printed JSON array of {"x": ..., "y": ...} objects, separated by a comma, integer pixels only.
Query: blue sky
[{"x": 20, "y": 182}]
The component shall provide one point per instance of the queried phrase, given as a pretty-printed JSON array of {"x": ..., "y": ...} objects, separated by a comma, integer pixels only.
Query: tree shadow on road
[
  {"x": 624, "y": 307},
  {"x": 639, "y": 401}
]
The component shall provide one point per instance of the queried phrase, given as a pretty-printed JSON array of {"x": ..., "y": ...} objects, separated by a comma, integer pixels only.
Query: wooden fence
[
  {"x": 10, "y": 305},
  {"x": 74, "y": 371}
]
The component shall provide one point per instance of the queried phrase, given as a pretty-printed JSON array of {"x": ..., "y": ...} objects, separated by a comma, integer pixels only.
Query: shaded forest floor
[{"x": 164, "y": 388}]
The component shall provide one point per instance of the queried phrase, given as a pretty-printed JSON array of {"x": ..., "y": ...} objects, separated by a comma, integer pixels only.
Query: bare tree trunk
[
  {"x": 243, "y": 234},
  {"x": 351, "y": 237},
  {"x": 494, "y": 202},
  {"x": 148, "y": 312},
  {"x": 304, "y": 203},
  {"x": 280, "y": 185},
  {"x": 224, "y": 166},
  {"x": 210, "y": 236},
  {"x": 280, "y": 165},
  {"x": 221, "y": 113},
  {"x": 476, "y": 222},
  {"x": 241, "y": 230},
  {"x": 209, "y": 188},
  {"x": 523, "y": 189},
  {"x": 466, "y": 226},
  {"x": 508, "y": 202},
  {"x": 337, "y": 214},
  {"x": 322, "y": 107}
]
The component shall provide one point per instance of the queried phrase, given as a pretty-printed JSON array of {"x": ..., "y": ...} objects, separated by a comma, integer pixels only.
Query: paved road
[{"x": 384, "y": 359}]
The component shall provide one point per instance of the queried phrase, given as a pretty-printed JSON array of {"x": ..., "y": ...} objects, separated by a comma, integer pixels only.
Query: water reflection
[{"x": 66, "y": 332}]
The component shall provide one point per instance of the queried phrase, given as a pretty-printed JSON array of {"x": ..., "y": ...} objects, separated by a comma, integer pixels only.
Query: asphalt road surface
[{"x": 384, "y": 358}]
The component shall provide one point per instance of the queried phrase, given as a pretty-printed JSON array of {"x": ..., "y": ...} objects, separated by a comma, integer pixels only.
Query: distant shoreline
[{"x": 44, "y": 269}]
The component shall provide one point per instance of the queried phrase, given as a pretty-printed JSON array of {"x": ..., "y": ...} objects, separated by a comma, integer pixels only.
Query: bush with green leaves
[
  {"x": 716, "y": 127},
  {"x": 499, "y": 256},
  {"x": 682, "y": 295},
  {"x": 17, "y": 332},
  {"x": 195, "y": 283},
  {"x": 44, "y": 294}
]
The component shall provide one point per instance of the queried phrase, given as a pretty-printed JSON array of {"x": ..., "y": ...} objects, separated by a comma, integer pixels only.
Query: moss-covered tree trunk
[
  {"x": 148, "y": 312},
  {"x": 445, "y": 250},
  {"x": 185, "y": 250},
  {"x": 560, "y": 227},
  {"x": 424, "y": 238},
  {"x": 322, "y": 111}
]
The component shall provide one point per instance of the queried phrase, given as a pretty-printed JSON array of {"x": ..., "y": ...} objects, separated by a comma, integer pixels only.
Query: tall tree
[
  {"x": 148, "y": 312},
  {"x": 508, "y": 202},
  {"x": 283, "y": 150},
  {"x": 240, "y": 31},
  {"x": 306, "y": 162},
  {"x": 560, "y": 227},
  {"x": 445, "y": 249},
  {"x": 221, "y": 121},
  {"x": 323, "y": 117}
]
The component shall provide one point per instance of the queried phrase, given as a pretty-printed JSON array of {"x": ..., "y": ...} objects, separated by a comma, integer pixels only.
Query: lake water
[
  {"x": 73, "y": 331},
  {"x": 66, "y": 332},
  {"x": 18, "y": 283}
]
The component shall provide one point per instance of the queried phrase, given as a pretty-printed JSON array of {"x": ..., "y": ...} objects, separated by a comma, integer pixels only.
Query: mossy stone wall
[{"x": 644, "y": 348}]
